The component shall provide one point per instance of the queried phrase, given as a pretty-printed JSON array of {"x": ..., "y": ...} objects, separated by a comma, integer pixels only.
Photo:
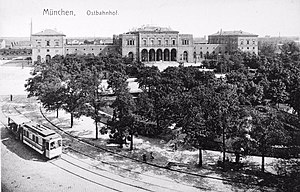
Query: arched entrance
[
  {"x": 151, "y": 55},
  {"x": 130, "y": 56},
  {"x": 173, "y": 55},
  {"x": 166, "y": 55},
  {"x": 158, "y": 55},
  {"x": 144, "y": 55},
  {"x": 185, "y": 56},
  {"x": 48, "y": 57}
]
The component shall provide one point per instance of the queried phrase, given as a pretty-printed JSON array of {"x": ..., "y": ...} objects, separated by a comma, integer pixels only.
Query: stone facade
[
  {"x": 46, "y": 44},
  {"x": 235, "y": 40},
  {"x": 147, "y": 44},
  {"x": 151, "y": 44}
]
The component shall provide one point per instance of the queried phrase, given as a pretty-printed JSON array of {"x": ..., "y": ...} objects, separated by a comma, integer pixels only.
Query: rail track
[
  {"x": 70, "y": 139},
  {"x": 9, "y": 109}
]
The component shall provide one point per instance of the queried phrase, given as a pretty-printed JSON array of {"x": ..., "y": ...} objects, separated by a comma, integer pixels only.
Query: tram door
[
  {"x": 46, "y": 151},
  {"x": 44, "y": 146},
  {"x": 20, "y": 133}
]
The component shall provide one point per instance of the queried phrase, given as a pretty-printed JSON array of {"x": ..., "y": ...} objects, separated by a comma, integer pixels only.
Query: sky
[{"x": 197, "y": 17}]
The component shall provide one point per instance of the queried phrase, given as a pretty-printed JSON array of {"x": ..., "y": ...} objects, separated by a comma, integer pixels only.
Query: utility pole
[{"x": 30, "y": 29}]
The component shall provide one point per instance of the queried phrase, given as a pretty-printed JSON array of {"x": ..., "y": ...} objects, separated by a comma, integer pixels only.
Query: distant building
[
  {"x": 48, "y": 43},
  {"x": 235, "y": 40},
  {"x": 2, "y": 44}
]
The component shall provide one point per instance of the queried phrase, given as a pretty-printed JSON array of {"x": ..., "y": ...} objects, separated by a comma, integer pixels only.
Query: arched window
[
  {"x": 166, "y": 55},
  {"x": 173, "y": 55},
  {"x": 130, "y": 55},
  {"x": 185, "y": 56},
  {"x": 144, "y": 55},
  {"x": 48, "y": 57}
]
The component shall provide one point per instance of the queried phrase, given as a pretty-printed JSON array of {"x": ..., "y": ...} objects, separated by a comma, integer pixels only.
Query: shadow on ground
[{"x": 19, "y": 148}]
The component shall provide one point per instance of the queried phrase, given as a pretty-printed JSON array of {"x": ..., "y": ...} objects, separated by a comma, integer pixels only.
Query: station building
[
  {"x": 147, "y": 44},
  {"x": 150, "y": 44}
]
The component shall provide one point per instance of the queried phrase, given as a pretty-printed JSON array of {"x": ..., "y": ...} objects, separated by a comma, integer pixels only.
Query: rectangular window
[
  {"x": 167, "y": 42},
  {"x": 52, "y": 145},
  {"x": 253, "y": 47},
  {"x": 173, "y": 42},
  {"x": 59, "y": 143},
  {"x": 159, "y": 42},
  {"x": 48, "y": 50},
  {"x": 48, "y": 43},
  {"x": 145, "y": 42},
  {"x": 247, "y": 42},
  {"x": 36, "y": 139},
  {"x": 185, "y": 42},
  {"x": 152, "y": 41},
  {"x": 56, "y": 43}
]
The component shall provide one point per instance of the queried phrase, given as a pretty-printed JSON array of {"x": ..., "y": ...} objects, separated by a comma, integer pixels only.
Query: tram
[{"x": 39, "y": 137}]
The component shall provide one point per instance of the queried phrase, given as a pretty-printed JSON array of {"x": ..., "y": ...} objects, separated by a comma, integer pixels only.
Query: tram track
[
  {"x": 112, "y": 153},
  {"x": 127, "y": 170},
  {"x": 11, "y": 109}
]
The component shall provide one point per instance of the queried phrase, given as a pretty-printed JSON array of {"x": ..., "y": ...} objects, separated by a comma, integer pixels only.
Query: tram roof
[
  {"x": 19, "y": 119},
  {"x": 40, "y": 129}
]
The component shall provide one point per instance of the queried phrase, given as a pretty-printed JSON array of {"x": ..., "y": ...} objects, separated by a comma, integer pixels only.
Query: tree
[
  {"x": 267, "y": 49},
  {"x": 46, "y": 84},
  {"x": 123, "y": 122},
  {"x": 71, "y": 78},
  {"x": 149, "y": 80},
  {"x": 196, "y": 118},
  {"x": 225, "y": 111},
  {"x": 91, "y": 79},
  {"x": 267, "y": 131}
]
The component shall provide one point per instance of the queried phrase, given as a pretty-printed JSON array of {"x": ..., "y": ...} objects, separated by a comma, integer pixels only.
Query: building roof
[
  {"x": 149, "y": 28},
  {"x": 233, "y": 33},
  {"x": 200, "y": 40},
  {"x": 48, "y": 32}
]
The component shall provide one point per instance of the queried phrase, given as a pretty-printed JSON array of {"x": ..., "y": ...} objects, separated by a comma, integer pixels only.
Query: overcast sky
[{"x": 197, "y": 17}]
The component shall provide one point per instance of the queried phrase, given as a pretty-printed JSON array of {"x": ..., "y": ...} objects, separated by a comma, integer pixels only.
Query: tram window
[
  {"x": 52, "y": 145},
  {"x": 47, "y": 146},
  {"x": 59, "y": 143}
]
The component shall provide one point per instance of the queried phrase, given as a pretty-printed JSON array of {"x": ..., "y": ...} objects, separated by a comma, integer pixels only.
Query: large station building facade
[{"x": 147, "y": 44}]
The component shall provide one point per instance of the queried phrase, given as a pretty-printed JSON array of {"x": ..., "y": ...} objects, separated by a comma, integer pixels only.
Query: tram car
[{"x": 39, "y": 137}]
